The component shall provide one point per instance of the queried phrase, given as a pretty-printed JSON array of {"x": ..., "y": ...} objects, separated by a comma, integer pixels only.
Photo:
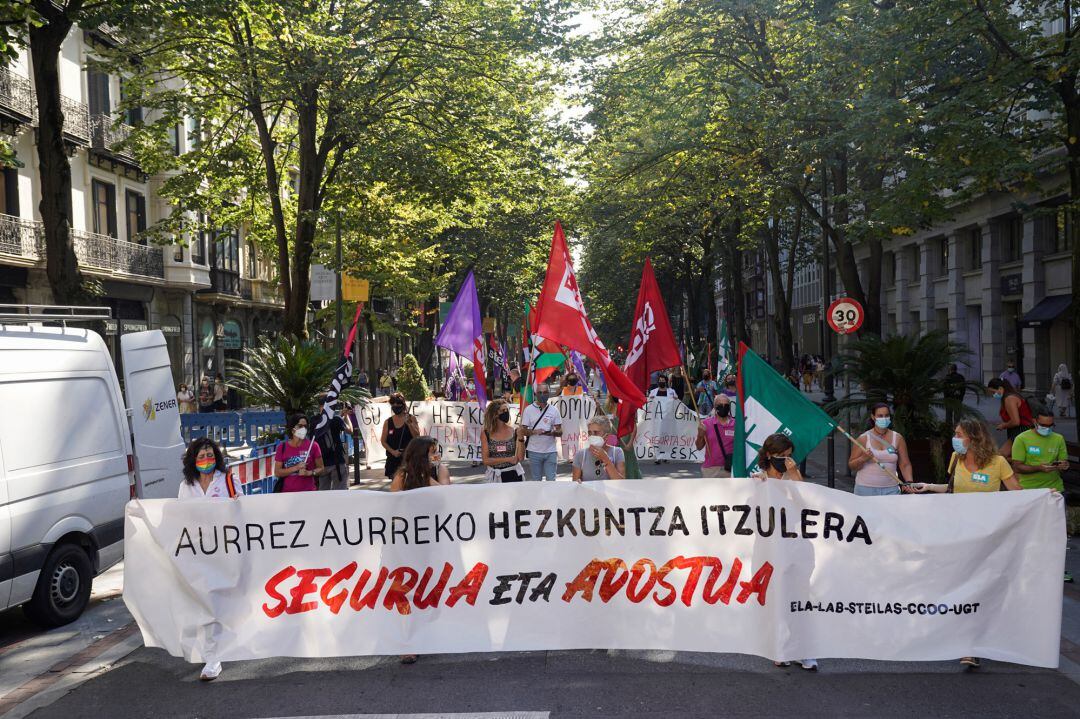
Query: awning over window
[{"x": 1048, "y": 310}]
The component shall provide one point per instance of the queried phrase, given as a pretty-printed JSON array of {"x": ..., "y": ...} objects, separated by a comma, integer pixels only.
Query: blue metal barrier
[{"x": 234, "y": 429}]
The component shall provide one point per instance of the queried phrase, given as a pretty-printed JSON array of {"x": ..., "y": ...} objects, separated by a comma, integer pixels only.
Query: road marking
[
  {"x": 62, "y": 669},
  {"x": 467, "y": 715}
]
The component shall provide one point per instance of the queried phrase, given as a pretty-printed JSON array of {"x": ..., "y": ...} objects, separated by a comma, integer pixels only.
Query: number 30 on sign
[{"x": 845, "y": 315}]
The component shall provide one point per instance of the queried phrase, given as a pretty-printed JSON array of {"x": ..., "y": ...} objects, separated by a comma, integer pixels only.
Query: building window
[
  {"x": 174, "y": 139},
  {"x": 975, "y": 248},
  {"x": 1061, "y": 239},
  {"x": 913, "y": 263},
  {"x": 194, "y": 132},
  {"x": 226, "y": 255},
  {"x": 253, "y": 267},
  {"x": 136, "y": 215},
  {"x": 132, "y": 115},
  {"x": 942, "y": 256},
  {"x": 104, "y": 205},
  {"x": 889, "y": 268},
  {"x": 943, "y": 320},
  {"x": 1011, "y": 238},
  {"x": 98, "y": 85},
  {"x": 9, "y": 191},
  {"x": 198, "y": 242}
]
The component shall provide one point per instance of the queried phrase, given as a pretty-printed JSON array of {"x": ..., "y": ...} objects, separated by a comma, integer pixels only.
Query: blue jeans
[
  {"x": 543, "y": 465},
  {"x": 862, "y": 491}
]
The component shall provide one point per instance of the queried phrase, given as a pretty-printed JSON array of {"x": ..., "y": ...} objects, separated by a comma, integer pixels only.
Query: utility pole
[
  {"x": 826, "y": 299},
  {"x": 337, "y": 289}
]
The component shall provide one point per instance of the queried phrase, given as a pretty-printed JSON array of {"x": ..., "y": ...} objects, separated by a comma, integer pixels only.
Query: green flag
[
  {"x": 769, "y": 404},
  {"x": 726, "y": 364}
]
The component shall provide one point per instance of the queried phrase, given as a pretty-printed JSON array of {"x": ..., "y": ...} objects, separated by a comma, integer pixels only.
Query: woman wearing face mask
[
  {"x": 1015, "y": 412},
  {"x": 889, "y": 456},
  {"x": 398, "y": 430},
  {"x": 775, "y": 462},
  {"x": 716, "y": 435},
  {"x": 729, "y": 388},
  {"x": 421, "y": 466},
  {"x": 975, "y": 466},
  {"x": 185, "y": 399},
  {"x": 598, "y": 460},
  {"x": 572, "y": 385},
  {"x": 298, "y": 460},
  {"x": 706, "y": 390},
  {"x": 205, "y": 477},
  {"x": 502, "y": 447}
]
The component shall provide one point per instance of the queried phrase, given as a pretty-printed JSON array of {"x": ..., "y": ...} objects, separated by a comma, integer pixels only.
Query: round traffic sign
[{"x": 845, "y": 315}]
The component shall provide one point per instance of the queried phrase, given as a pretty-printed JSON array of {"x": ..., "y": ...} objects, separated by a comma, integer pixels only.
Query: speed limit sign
[{"x": 845, "y": 315}]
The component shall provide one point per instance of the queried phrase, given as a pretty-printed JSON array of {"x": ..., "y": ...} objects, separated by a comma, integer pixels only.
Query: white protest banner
[
  {"x": 778, "y": 569},
  {"x": 667, "y": 429},
  {"x": 456, "y": 425}
]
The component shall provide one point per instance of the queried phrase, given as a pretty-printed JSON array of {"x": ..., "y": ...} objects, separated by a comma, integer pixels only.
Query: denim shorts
[{"x": 864, "y": 491}]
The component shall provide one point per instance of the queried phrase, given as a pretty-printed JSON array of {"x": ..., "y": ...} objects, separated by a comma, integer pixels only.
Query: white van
[{"x": 66, "y": 468}]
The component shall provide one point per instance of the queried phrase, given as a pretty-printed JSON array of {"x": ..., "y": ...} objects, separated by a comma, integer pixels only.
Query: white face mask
[
  {"x": 300, "y": 432},
  {"x": 595, "y": 441}
]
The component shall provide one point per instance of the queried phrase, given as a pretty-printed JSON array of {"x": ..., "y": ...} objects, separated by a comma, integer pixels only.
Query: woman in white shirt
[{"x": 205, "y": 477}]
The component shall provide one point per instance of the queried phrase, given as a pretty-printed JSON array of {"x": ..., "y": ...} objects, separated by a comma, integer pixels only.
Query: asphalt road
[{"x": 98, "y": 668}]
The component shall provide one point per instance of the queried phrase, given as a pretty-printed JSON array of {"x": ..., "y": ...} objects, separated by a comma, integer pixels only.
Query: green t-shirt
[{"x": 1032, "y": 449}]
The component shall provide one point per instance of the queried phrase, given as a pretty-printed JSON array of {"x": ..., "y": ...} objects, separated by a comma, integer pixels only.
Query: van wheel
[{"x": 63, "y": 587}]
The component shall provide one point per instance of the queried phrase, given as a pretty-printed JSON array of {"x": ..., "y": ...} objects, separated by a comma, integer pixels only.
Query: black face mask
[
  {"x": 730, "y": 385},
  {"x": 723, "y": 410},
  {"x": 662, "y": 385},
  {"x": 398, "y": 408},
  {"x": 779, "y": 464},
  {"x": 504, "y": 415},
  {"x": 572, "y": 381}
]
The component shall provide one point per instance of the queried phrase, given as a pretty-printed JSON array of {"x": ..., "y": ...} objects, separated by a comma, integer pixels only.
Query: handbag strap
[
  {"x": 719, "y": 441},
  {"x": 537, "y": 422}
]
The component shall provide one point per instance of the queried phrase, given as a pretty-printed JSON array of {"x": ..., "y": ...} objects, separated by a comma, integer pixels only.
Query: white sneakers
[
  {"x": 809, "y": 664},
  {"x": 210, "y": 672}
]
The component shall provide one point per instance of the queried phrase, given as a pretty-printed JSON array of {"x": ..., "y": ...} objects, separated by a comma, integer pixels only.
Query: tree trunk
[
  {"x": 738, "y": 326},
  {"x": 781, "y": 298},
  {"x": 61, "y": 264},
  {"x": 307, "y": 211}
]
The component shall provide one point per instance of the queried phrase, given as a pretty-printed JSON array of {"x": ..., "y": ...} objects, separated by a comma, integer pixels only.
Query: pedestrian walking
[
  {"x": 362, "y": 379},
  {"x": 876, "y": 473},
  {"x": 386, "y": 384},
  {"x": 220, "y": 405},
  {"x": 716, "y": 435},
  {"x": 298, "y": 460},
  {"x": 332, "y": 447},
  {"x": 400, "y": 428},
  {"x": 541, "y": 425},
  {"x": 502, "y": 447},
  {"x": 706, "y": 389},
  {"x": 185, "y": 399},
  {"x": 206, "y": 396},
  {"x": 975, "y": 466},
  {"x": 598, "y": 460},
  {"x": 775, "y": 463},
  {"x": 1062, "y": 386},
  {"x": 1039, "y": 456},
  {"x": 953, "y": 391},
  {"x": 1015, "y": 412},
  {"x": 806, "y": 367},
  {"x": 1011, "y": 376},
  {"x": 206, "y": 477},
  {"x": 421, "y": 467}
]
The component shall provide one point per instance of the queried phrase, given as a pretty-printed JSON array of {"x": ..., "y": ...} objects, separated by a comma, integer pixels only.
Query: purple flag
[
  {"x": 463, "y": 324},
  {"x": 575, "y": 358}
]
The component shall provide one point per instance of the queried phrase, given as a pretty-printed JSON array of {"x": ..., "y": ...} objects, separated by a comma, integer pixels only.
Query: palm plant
[
  {"x": 907, "y": 373},
  {"x": 289, "y": 373}
]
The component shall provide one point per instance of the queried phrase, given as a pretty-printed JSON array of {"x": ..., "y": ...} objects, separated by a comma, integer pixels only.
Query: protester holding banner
[
  {"x": 541, "y": 425},
  {"x": 716, "y": 435},
  {"x": 421, "y": 466},
  {"x": 598, "y": 460},
  {"x": 662, "y": 389},
  {"x": 205, "y": 477},
  {"x": 501, "y": 446},
  {"x": 876, "y": 472},
  {"x": 297, "y": 462},
  {"x": 571, "y": 385},
  {"x": 398, "y": 430},
  {"x": 975, "y": 465},
  {"x": 679, "y": 384},
  {"x": 774, "y": 459}
]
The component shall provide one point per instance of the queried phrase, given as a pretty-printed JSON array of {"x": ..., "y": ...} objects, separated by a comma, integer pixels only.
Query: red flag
[
  {"x": 652, "y": 343},
  {"x": 561, "y": 318},
  {"x": 479, "y": 373}
]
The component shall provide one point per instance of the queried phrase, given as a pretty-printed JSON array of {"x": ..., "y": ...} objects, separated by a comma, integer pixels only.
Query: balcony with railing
[
  {"x": 16, "y": 97},
  {"x": 107, "y": 136},
  {"x": 104, "y": 253},
  {"x": 267, "y": 292},
  {"x": 21, "y": 238},
  {"x": 223, "y": 282},
  {"x": 76, "y": 120}
]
